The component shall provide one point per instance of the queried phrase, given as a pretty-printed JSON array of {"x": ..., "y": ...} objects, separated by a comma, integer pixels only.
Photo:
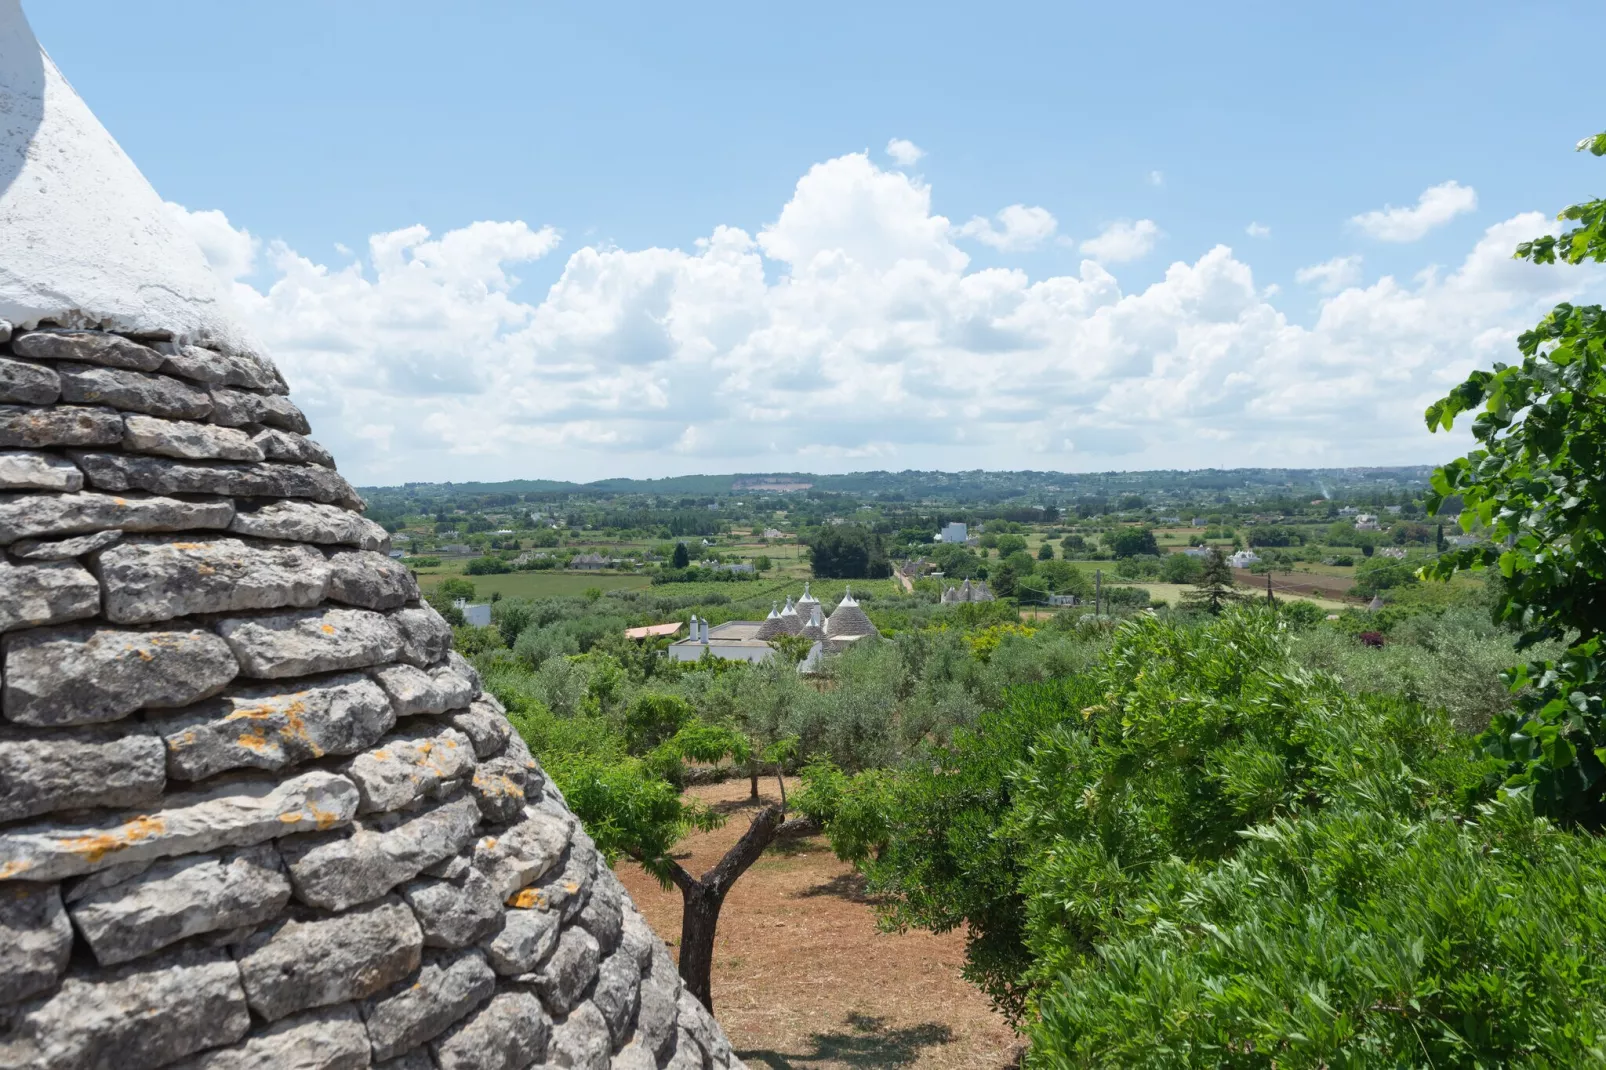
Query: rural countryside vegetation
[{"x": 1250, "y": 768}]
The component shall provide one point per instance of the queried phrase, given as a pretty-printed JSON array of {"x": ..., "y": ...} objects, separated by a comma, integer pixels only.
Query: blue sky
[{"x": 632, "y": 128}]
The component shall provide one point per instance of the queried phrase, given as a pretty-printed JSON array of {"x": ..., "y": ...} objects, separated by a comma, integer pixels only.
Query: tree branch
[
  {"x": 759, "y": 835},
  {"x": 677, "y": 873}
]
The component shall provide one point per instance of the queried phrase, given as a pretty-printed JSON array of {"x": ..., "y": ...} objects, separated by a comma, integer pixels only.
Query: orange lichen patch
[
  {"x": 488, "y": 843},
  {"x": 380, "y": 755},
  {"x": 527, "y": 899},
  {"x": 121, "y": 501},
  {"x": 292, "y": 817},
  {"x": 294, "y": 726},
  {"x": 327, "y": 629},
  {"x": 572, "y": 887},
  {"x": 324, "y": 818},
  {"x": 258, "y": 744},
  {"x": 188, "y": 545},
  {"x": 11, "y": 869},
  {"x": 93, "y": 848}
]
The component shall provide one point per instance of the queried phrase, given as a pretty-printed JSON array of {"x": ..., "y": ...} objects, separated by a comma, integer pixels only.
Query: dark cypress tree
[
  {"x": 1213, "y": 590},
  {"x": 681, "y": 558}
]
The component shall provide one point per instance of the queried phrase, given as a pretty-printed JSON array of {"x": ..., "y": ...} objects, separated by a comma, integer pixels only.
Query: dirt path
[{"x": 802, "y": 979}]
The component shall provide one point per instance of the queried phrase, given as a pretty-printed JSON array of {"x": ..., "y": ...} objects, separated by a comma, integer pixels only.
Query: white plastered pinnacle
[{"x": 84, "y": 239}]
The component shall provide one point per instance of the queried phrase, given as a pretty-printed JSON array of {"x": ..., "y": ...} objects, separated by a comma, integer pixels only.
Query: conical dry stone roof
[
  {"x": 254, "y": 812},
  {"x": 847, "y": 619}
]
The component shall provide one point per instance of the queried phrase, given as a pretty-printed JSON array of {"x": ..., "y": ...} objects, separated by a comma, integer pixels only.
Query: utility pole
[
  {"x": 1270, "y": 598},
  {"x": 1098, "y": 590}
]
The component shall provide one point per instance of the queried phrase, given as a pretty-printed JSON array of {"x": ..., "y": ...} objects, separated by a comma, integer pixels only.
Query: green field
[{"x": 551, "y": 584}]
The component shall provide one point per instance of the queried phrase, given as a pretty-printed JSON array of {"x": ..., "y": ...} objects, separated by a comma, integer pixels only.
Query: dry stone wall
[{"x": 254, "y": 811}]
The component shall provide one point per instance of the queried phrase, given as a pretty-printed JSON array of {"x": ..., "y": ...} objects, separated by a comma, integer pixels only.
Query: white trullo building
[{"x": 253, "y": 810}]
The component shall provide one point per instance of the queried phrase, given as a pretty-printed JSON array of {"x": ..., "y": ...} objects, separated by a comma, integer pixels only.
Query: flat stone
[
  {"x": 161, "y": 475},
  {"x": 35, "y": 939},
  {"x": 426, "y": 637},
  {"x": 222, "y": 369},
  {"x": 272, "y": 727},
  {"x": 31, "y": 470},
  {"x": 47, "y": 769},
  {"x": 85, "y": 674},
  {"x": 457, "y": 689},
  {"x": 63, "y": 549},
  {"x": 509, "y": 1033},
  {"x": 498, "y": 787},
  {"x": 309, "y": 641},
  {"x": 446, "y": 986},
  {"x": 465, "y": 668},
  {"x": 417, "y": 1059},
  {"x": 51, "y": 592},
  {"x": 338, "y": 869},
  {"x": 232, "y": 408},
  {"x": 418, "y": 762},
  {"x": 564, "y": 889},
  {"x": 695, "y": 1019},
  {"x": 279, "y": 445},
  {"x": 28, "y": 383},
  {"x": 234, "y": 813},
  {"x": 521, "y": 854},
  {"x": 156, "y": 578},
  {"x": 454, "y": 913},
  {"x": 633, "y": 1056},
  {"x": 526, "y": 938},
  {"x": 369, "y": 579},
  {"x": 135, "y": 1017},
  {"x": 485, "y": 723},
  {"x": 566, "y": 974},
  {"x": 132, "y": 391},
  {"x": 637, "y": 937},
  {"x": 179, "y": 898},
  {"x": 603, "y": 914},
  {"x": 297, "y": 521},
  {"x": 412, "y": 690},
  {"x": 655, "y": 1018},
  {"x": 59, "y": 425},
  {"x": 615, "y": 994},
  {"x": 329, "y": 1038},
  {"x": 686, "y": 1055},
  {"x": 24, "y": 516},
  {"x": 187, "y": 439},
  {"x": 580, "y": 1041},
  {"x": 91, "y": 347},
  {"x": 303, "y": 963}
]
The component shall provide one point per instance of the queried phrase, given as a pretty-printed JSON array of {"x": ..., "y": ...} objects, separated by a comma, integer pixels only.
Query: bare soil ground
[{"x": 802, "y": 977}]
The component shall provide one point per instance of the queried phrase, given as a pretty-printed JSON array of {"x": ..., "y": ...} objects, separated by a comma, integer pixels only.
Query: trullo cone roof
[{"x": 254, "y": 810}]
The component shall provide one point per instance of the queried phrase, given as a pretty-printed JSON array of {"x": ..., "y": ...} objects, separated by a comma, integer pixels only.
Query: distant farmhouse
[
  {"x": 952, "y": 533},
  {"x": 750, "y": 640}
]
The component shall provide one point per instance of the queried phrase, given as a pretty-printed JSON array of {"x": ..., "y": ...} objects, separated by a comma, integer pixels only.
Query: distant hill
[{"x": 976, "y": 485}]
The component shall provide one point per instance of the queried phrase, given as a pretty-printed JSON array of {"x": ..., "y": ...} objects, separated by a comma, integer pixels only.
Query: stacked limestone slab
[{"x": 254, "y": 811}]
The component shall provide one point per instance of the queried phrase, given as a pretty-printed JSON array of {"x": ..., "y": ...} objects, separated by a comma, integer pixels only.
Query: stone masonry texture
[{"x": 254, "y": 811}]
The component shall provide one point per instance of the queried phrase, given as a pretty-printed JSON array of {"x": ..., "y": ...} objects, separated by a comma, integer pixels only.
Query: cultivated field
[{"x": 802, "y": 977}]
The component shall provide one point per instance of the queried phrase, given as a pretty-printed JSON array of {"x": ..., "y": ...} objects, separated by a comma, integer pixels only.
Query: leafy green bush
[{"x": 1202, "y": 853}]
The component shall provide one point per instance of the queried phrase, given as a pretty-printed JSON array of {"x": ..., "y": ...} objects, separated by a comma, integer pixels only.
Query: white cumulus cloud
[
  {"x": 1122, "y": 241},
  {"x": 1330, "y": 276},
  {"x": 850, "y": 332},
  {"x": 230, "y": 252},
  {"x": 1436, "y": 207},
  {"x": 1017, "y": 229},
  {"x": 1156, "y": 178},
  {"x": 904, "y": 153},
  {"x": 1258, "y": 230}
]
